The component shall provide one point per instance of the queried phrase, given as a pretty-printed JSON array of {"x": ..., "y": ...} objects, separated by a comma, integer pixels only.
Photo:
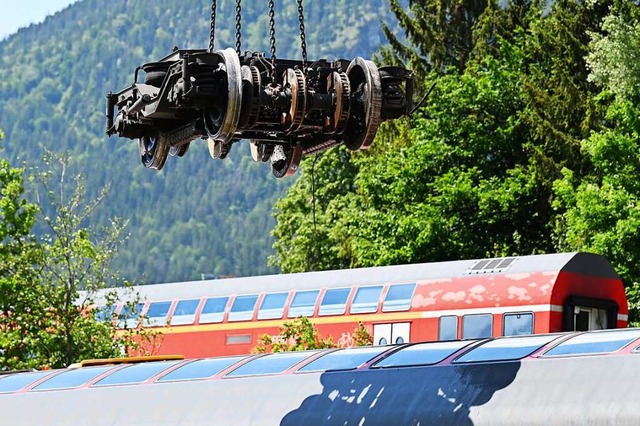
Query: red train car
[{"x": 464, "y": 299}]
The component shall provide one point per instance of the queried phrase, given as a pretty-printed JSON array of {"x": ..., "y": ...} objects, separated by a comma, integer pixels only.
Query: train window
[
  {"x": 334, "y": 301},
  {"x": 422, "y": 354},
  {"x": 201, "y": 369},
  {"x": 398, "y": 298},
  {"x": 243, "y": 307},
  {"x": 17, "y": 382},
  {"x": 185, "y": 312},
  {"x": 366, "y": 300},
  {"x": 270, "y": 364},
  {"x": 130, "y": 317},
  {"x": 157, "y": 314},
  {"x": 510, "y": 348},
  {"x": 448, "y": 328},
  {"x": 238, "y": 339},
  {"x": 516, "y": 324},
  {"x": 72, "y": 378},
  {"x": 272, "y": 306},
  {"x": 303, "y": 303},
  {"x": 595, "y": 342},
  {"x": 136, "y": 373},
  {"x": 213, "y": 310},
  {"x": 105, "y": 313},
  {"x": 477, "y": 326},
  {"x": 344, "y": 359}
]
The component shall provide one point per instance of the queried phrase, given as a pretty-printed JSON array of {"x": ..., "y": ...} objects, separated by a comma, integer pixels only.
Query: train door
[
  {"x": 583, "y": 314},
  {"x": 393, "y": 333}
]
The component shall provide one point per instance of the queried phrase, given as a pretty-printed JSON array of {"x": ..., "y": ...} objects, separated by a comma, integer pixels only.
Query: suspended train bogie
[{"x": 284, "y": 108}]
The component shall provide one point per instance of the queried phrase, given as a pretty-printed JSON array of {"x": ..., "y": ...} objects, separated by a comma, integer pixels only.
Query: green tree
[
  {"x": 600, "y": 212},
  {"x": 76, "y": 265},
  {"x": 301, "y": 334},
  {"x": 21, "y": 315},
  {"x": 296, "y": 335},
  {"x": 47, "y": 286},
  {"x": 440, "y": 33}
]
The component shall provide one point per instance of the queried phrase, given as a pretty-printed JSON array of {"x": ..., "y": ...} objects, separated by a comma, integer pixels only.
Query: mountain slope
[{"x": 197, "y": 215}]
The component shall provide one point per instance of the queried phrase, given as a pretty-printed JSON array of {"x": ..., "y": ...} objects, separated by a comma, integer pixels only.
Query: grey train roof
[
  {"x": 586, "y": 263},
  {"x": 569, "y": 378}
]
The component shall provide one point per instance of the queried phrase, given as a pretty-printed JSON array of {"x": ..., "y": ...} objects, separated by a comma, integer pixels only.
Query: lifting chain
[
  {"x": 303, "y": 39},
  {"x": 238, "y": 26},
  {"x": 272, "y": 35},
  {"x": 213, "y": 26}
]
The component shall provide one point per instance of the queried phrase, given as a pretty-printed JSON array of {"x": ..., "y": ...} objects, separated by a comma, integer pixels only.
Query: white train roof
[{"x": 585, "y": 263}]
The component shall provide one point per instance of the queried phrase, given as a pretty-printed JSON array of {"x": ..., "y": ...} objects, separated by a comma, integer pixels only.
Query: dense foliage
[
  {"x": 301, "y": 334},
  {"x": 197, "y": 216},
  {"x": 47, "y": 284},
  {"x": 528, "y": 144}
]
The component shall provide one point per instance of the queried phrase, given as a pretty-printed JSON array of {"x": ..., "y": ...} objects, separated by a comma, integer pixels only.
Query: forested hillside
[{"x": 197, "y": 215}]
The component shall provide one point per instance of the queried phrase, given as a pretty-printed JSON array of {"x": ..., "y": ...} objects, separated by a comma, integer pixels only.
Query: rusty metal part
[
  {"x": 285, "y": 160},
  {"x": 367, "y": 88},
  {"x": 294, "y": 80},
  {"x": 338, "y": 85},
  {"x": 319, "y": 147},
  {"x": 251, "y": 101},
  {"x": 153, "y": 151}
]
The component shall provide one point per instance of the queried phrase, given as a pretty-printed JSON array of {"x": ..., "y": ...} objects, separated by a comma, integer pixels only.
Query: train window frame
[
  {"x": 157, "y": 321},
  {"x": 402, "y": 304},
  {"x": 23, "y": 379},
  {"x": 146, "y": 371},
  {"x": 89, "y": 374},
  {"x": 228, "y": 362},
  {"x": 105, "y": 313},
  {"x": 551, "y": 352},
  {"x": 245, "y": 314},
  {"x": 272, "y": 313},
  {"x": 304, "y": 310},
  {"x": 510, "y": 314},
  {"x": 370, "y": 352},
  {"x": 473, "y": 316},
  {"x": 459, "y": 345},
  {"x": 457, "y": 318},
  {"x": 334, "y": 308},
  {"x": 297, "y": 356},
  {"x": 214, "y": 317},
  {"x": 365, "y": 307},
  {"x": 184, "y": 319},
  {"x": 133, "y": 317},
  {"x": 238, "y": 339},
  {"x": 496, "y": 346}
]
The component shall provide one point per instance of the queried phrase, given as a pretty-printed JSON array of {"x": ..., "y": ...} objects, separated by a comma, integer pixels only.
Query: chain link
[
  {"x": 272, "y": 35},
  {"x": 213, "y": 25},
  {"x": 303, "y": 38},
  {"x": 238, "y": 26}
]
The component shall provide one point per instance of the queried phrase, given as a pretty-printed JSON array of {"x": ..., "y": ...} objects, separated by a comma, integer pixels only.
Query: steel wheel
[
  {"x": 153, "y": 151},
  {"x": 222, "y": 124},
  {"x": 366, "y": 109}
]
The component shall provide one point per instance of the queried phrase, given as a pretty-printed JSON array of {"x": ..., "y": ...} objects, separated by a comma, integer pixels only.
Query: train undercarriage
[{"x": 285, "y": 108}]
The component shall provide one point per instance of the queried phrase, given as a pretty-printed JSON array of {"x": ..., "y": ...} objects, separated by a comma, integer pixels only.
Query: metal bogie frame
[{"x": 285, "y": 109}]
